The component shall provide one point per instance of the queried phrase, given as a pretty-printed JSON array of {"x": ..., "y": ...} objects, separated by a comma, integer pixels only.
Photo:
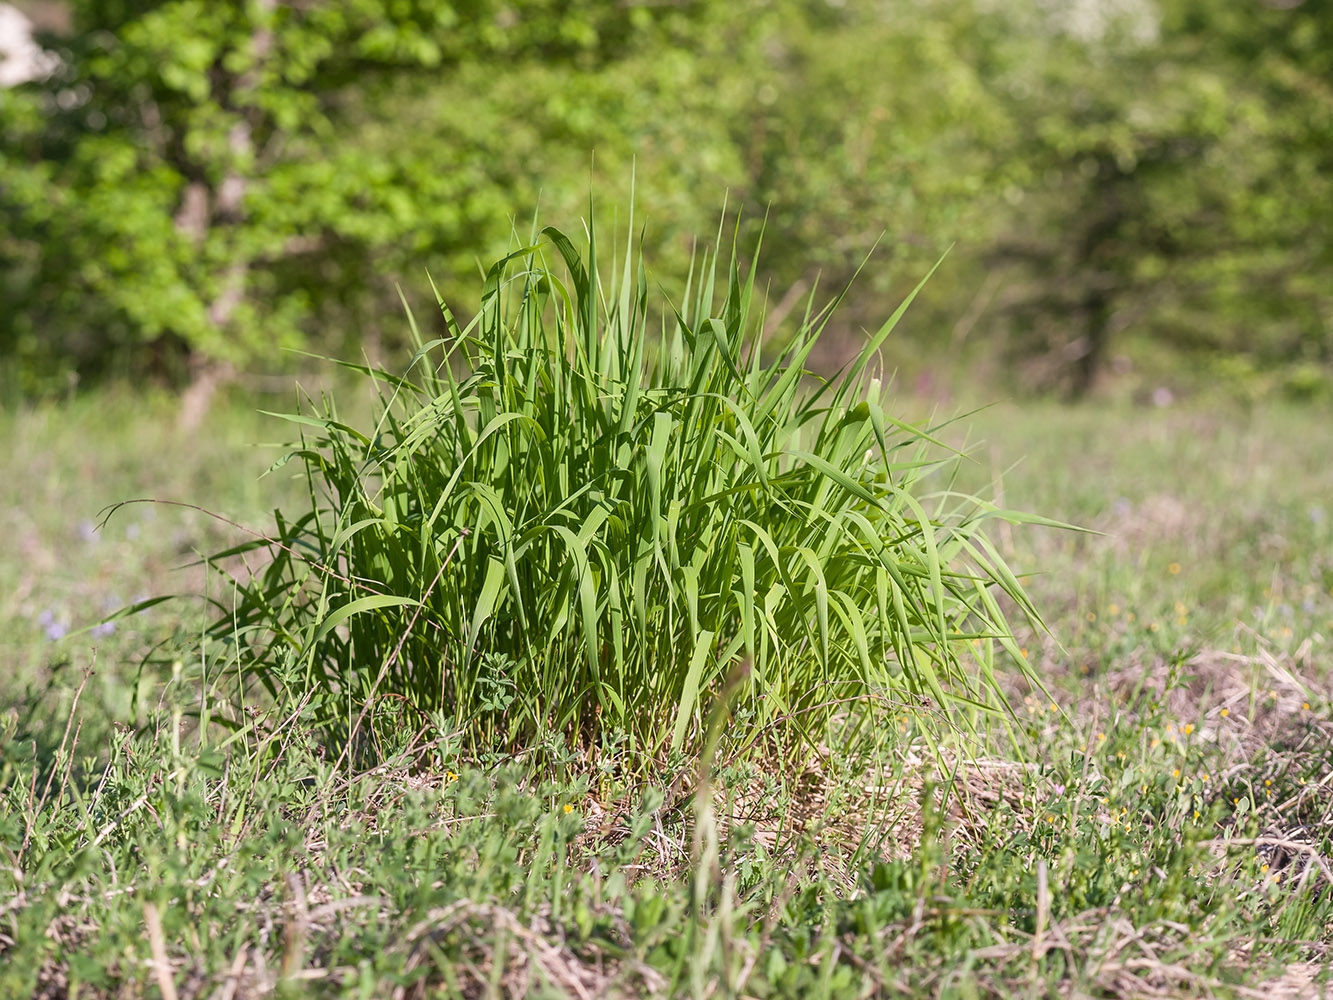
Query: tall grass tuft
[{"x": 579, "y": 514}]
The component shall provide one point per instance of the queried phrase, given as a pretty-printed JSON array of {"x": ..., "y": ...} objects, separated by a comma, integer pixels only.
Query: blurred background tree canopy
[{"x": 194, "y": 183}]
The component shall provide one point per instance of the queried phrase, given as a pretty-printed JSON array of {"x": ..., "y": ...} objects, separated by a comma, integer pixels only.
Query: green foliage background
[{"x": 200, "y": 182}]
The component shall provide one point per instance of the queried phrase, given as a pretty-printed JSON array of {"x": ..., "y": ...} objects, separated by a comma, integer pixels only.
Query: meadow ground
[{"x": 1156, "y": 824}]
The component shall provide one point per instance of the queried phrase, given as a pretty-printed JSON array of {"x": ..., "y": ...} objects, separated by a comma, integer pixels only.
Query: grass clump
[{"x": 577, "y": 515}]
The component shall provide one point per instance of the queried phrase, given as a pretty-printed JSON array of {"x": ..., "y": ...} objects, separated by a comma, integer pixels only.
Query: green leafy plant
[{"x": 579, "y": 514}]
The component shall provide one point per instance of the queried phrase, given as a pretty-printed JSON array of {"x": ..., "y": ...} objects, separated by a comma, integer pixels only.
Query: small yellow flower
[
  {"x": 1181, "y": 609},
  {"x": 1189, "y": 728},
  {"x": 1174, "y": 569},
  {"x": 1175, "y": 773},
  {"x": 1305, "y": 705},
  {"x": 1101, "y": 736},
  {"x": 452, "y": 776},
  {"x": 568, "y": 808},
  {"x": 1226, "y": 712},
  {"x": 1113, "y": 610},
  {"x": 1268, "y": 781},
  {"x": 1205, "y": 776},
  {"x": 1153, "y": 627}
]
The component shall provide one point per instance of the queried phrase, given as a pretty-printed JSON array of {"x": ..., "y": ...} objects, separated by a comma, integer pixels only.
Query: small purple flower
[
  {"x": 1059, "y": 789},
  {"x": 55, "y": 631},
  {"x": 103, "y": 629}
]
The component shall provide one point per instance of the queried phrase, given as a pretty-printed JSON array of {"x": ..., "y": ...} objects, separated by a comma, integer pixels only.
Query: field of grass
[{"x": 1159, "y": 826}]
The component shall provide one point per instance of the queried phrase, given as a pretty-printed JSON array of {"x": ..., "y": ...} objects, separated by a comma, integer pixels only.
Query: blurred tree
[
  {"x": 205, "y": 180},
  {"x": 1177, "y": 189}
]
